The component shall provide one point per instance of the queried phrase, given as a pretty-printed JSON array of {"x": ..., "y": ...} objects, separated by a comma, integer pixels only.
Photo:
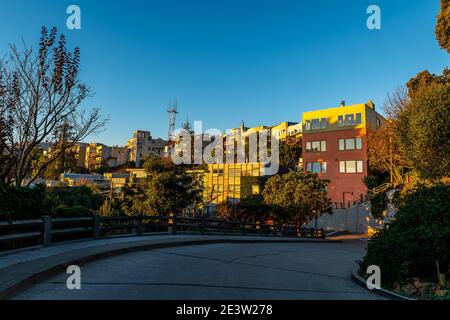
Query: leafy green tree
[
  {"x": 290, "y": 154},
  {"x": 168, "y": 190},
  {"x": 417, "y": 237},
  {"x": 443, "y": 26},
  {"x": 424, "y": 131},
  {"x": 425, "y": 79},
  {"x": 297, "y": 197}
]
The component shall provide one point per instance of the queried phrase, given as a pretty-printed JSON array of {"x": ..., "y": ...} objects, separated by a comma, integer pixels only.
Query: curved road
[{"x": 219, "y": 271}]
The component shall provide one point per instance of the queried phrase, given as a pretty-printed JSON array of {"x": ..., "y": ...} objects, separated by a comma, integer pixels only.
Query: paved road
[{"x": 219, "y": 271}]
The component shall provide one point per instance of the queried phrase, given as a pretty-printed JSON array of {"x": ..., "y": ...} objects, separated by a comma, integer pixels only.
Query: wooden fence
[{"x": 48, "y": 230}]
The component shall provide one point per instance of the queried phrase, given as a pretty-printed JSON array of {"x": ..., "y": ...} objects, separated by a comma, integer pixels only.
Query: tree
[
  {"x": 424, "y": 79},
  {"x": 250, "y": 212},
  {"x": 297, "y": 197},
  {"x": 40, "y": 92},
  {"x": 424, "y": 131},
  {"x": 443, "y": 26},
  {"x": 384, "y": 149},
  {"x": 417, "y": 237},
  {"x": 169, "y": 188},
  {"x": 290, "y": 154}
]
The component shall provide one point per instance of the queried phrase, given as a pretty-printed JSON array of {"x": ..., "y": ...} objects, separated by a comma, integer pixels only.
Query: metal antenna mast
[{"x": 172, "y": 111}]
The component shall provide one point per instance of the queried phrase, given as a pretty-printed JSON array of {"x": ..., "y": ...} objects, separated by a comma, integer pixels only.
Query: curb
[
  {"x": 382, "y": 292},
  {"x": 41, "y": 273}
]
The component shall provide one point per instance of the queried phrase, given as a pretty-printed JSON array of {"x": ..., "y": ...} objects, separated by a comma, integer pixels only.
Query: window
[
  {"x": 341, "y": 144},
  {"x": 316, "y": 124},
  {"x": 307, "y": 125},
  {"x": 358, "y": 143},
  {"x": 351, "y": 166},
  {"x": 341, "y": 166},
  {"x": 349, "y": 120},
  {"x": 350, "y": 144},
  {"x": 378, "y": 123},
  {"x": 359, "y": 166},
  {"x": 316, "y": 167},
  {"x": 316, "y": 146}
]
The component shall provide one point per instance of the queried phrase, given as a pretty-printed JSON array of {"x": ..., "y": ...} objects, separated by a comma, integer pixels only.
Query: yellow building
[{"x": 232, "y": 182}]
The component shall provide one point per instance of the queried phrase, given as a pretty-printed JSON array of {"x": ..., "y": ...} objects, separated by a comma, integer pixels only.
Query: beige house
[{"x": 143, "y": 144}]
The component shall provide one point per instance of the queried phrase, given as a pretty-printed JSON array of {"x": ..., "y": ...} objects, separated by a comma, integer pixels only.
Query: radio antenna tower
[{"x": 172, "y": 111}]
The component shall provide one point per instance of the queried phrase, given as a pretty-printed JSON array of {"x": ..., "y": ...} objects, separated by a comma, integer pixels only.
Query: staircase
[{"x": 371, "y": 193}]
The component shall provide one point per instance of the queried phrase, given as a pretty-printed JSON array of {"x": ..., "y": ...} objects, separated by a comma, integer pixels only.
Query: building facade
[
  {"x": 143, "y": 144},
  {"x": 96, "y": 155},
  {"x": 232, "y": 182},
  {"x": 335, "y": 147}
]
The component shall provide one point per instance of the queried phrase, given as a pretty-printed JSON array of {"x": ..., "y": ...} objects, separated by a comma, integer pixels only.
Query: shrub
[
  {"x": 418, "y": 236},
  {"x": 32, "y": 203},
  {"x": 22, "y": 203}
]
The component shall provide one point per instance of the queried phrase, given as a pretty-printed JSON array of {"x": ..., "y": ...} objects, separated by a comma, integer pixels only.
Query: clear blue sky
[{"x": 231, "y": 60}]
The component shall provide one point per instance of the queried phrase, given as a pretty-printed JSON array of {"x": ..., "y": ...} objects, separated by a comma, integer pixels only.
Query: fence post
[
  {"x": 96, "y": 226},
  {"x": 202, "y": 225},
  {"x": 224, "y": 226},
  {"x": 46, "y": 230},
  {"x": 172, "y": 224},
  {"x": 138, "y": 222}
]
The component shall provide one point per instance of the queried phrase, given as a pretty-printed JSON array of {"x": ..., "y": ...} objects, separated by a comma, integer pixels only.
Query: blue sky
[{"x": 228, "y": 61}]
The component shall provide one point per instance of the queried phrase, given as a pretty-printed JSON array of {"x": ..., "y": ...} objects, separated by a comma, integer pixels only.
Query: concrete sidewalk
[{"x": 21, "y": 269}]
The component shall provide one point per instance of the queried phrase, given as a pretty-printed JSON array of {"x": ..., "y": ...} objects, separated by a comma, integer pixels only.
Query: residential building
[
  {"x": 135, "y": 174},
  {"x": 119, "y": 156},
  {"x": 79, "y": 151},
  {"x": 335, "y": 147},
  {"x": 118, "y": 179},
  {"x": 96, "y": 155},
  {"x": 78, "y": 179},
  {"x": 143, "y": 144},
  {"x": 232, "y": 182}
]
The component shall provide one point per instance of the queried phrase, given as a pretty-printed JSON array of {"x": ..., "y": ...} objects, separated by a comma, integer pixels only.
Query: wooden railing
[{"x": 48, "y": 230}]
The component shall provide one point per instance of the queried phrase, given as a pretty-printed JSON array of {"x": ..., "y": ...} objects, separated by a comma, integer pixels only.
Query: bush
[
  {"x": 73, "y": 197},
  {"x": 410, "y": 244},
  {"x": 22, "y": 203},
  {"x": 249, "y": 212},
  {"x": 32, "y": 203}
]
